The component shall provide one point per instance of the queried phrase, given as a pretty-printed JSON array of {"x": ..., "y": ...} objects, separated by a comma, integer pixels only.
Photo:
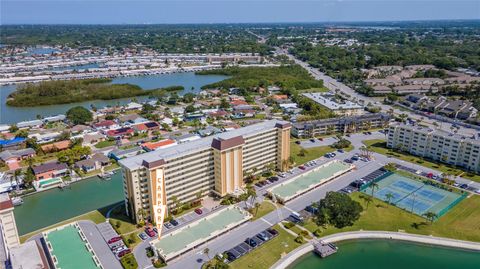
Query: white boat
[{"x": 16, "y": 201}]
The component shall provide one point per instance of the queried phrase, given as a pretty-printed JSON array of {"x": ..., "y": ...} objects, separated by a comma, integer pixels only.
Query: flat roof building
[
  {"x": 339, "y": 107},
  {"x": 211, "y": 164},
  {"x": 439, "y": 145}
]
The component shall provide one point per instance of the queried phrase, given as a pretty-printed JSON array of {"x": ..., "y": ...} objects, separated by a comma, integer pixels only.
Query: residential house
[
  {"x": 106, "y": 125},
  {"x": 120, "y": 132},
  {"x": 93, "y": 138},
  {"x": 56, "y": 146},
  {"x": 50, "y": 170},
  {"x": 118, "y": 154},
  {"x": 151, "y": 146},
  {"x": 95, "y": 162},
  {"x": 14, "y": 156}
]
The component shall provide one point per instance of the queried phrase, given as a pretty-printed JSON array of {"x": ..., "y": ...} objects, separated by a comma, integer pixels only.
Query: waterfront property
[
  {"x": 352, "y": 124},
  {"x": 437, "y": 145},
  {"x": 199, "y": 232},
  {"x": 69, "y": 248},
  {"x": 413, "y": 195},
  {"x": 303, "y": 183},
  {"x": 211, "y": 164},
  {"x": 50, "y": 170}
]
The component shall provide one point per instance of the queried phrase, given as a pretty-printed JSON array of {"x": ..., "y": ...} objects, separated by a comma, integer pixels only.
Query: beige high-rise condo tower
[{"x": 155, "y": 180}]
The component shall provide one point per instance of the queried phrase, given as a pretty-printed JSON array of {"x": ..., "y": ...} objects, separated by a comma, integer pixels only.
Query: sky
[{"x": 230, "y": 11}]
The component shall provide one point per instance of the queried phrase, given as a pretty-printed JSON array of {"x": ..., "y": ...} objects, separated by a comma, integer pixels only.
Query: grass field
[
  {"x": 461, "y": 222},
  {"x": 94, "y": 216},
  {"x": 379, "y": 146},
  {"x": 269, "y": 253},
  {"x": 311, "y": 153},
  {"x": 265, "y": 208},
  {"x": 104, "y": 144}
]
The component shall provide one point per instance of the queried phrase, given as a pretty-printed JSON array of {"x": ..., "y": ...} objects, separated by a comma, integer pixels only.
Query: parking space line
[{"x": 266, "y": 221}]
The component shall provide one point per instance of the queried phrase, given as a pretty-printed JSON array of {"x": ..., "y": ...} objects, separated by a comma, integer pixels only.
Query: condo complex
[
  {"x": 438, "y": 145},
  {"x": 190, "y": 170}
]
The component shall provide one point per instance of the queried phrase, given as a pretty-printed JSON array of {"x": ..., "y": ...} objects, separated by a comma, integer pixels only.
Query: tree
[
  {"x": 431, "y": 216},
  {"x": 206, "y": 251},
  {"x": 338, "y": 209},
  {"x": 302, "y": 152},
  {"x": 79, "y": 115},
  {"x": 189, "y": 109},
  {"x": 257, "y": 206},
  {"x": 22, "y": 133},
  {"x": 13, "y": 128},
  {"x": 389, "y": 197},
  {"x": 373, "y": 186},
  {"x": 141, "y": 213}
]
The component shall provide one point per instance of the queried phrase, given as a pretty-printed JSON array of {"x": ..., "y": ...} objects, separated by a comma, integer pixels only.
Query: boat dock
[{"x": 324, "y": 249}]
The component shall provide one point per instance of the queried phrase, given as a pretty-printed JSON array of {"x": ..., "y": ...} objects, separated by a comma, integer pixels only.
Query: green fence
[
  {"x": 386, "y": 174},
  {"x": 452, "y": 204}
]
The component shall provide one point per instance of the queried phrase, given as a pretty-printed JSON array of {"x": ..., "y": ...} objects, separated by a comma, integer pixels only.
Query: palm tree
[
  {"x": 257, "y": 206},
  {"x": 206, "y": 251},
  {"x": 373, "y": 186},
  {"x": 389, "y": 197},
  {"x": 431, "y": 216},
  {"x": 16, "y": 175},
  {"x": 141, "y": 213},
  {"x": 367, "y": 200}
]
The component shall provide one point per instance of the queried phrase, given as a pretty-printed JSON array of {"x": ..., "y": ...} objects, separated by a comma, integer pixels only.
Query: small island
[{"x": 73, "y": 91}]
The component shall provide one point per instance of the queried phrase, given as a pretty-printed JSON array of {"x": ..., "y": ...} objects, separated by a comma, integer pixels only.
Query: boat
[{"x": 16, "y": 201}]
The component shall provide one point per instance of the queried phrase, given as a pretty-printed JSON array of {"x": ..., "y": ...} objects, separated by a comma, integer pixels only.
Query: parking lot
[{"x": 250, "y": 244}]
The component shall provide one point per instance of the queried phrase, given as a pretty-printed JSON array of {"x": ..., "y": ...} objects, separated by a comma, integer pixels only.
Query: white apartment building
[{"x": 438, "y": 145}]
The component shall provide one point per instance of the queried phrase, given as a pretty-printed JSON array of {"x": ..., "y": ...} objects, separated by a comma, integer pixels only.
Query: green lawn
[
  {"x": 461, "y": 222},
  {"x": 311, "y": 153},
  {"x": 94, "y": 216},
  {"x": 269, "y": 253},
  {"x": 118, "y": 218},
  {"x": 104, "y": 144},
  {"x": 129, "y": 262},
  {"x": 379, "y": 146},
  {"x": 265, "y": 208}
]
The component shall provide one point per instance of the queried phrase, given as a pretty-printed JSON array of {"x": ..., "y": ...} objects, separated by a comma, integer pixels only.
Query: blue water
[{"x": 9, "y": 114}]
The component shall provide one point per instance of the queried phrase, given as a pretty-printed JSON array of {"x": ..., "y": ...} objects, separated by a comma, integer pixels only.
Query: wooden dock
[{"x": 324, "y": 249}]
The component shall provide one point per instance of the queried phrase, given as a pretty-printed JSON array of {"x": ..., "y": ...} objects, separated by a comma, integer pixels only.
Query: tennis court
[{"x": 413, "y": 195}]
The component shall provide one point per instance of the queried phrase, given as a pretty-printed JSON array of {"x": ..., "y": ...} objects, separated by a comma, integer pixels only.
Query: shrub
[
  {"x": 299, "y": 239},
  {"x": 288, "y": 225}
]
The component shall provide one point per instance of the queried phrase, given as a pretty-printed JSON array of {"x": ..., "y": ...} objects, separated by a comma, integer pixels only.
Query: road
[{"x": 334, "y": 85}]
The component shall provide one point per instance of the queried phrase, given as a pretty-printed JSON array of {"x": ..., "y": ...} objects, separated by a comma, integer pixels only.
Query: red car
[
  {"x": 150, "y": 232},
  {"x": 114, "y": 239},
  {"x": 302, "y": 167},
  {"x": 198, "y": 211},
  {"x": 124, "y": 252}
]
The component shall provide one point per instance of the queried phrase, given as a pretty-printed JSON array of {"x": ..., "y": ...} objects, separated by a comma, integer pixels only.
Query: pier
[{"x": 324, "y": 249}]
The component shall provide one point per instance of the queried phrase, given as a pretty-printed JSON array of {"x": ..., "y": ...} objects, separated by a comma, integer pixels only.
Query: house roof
[
  {"x": 121, "y": 131},
  {"x": 49, "y": 167},
  {"x": 154, "y": 145},
  {"x": 60, "y": 145},
  {"x": 7, "y": 154},
  {"x": 104, "y": 123}
]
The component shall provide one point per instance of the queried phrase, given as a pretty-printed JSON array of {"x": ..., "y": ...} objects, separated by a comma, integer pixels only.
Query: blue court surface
[{"x": 413, "y": 195}]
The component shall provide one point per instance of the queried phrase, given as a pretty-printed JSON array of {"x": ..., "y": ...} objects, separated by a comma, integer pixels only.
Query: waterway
[
  {"x": 189, "y": 80},
  {"x": 381, "y": 254},
  {"x": 49, "y": 207}
]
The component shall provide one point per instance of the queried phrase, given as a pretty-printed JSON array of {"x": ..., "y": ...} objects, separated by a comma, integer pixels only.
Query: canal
[
  {"x": 189, "y": 80},
  {"x": 49, "y": 207},
  {"x": 380, "y": 254}
]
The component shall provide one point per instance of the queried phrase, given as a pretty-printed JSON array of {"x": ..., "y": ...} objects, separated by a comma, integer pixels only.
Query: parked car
[
  {"x": 341, "y": 150},
  {"x": 312, "y": 140},
  {"x": 272, "y": 231},
  {"x": 321, "y": 139},
  {"x": 174, "y": 222},
  {"x": 150, "y": 232},
  {"x": 167, "y": 225},
  {"x": 123, "y": 253},
  {"x": 114, "y": 239},
  {"x": 251, "y": 242},
  {"x": 311, "y": 209},
  {"x": 199, "y": 211},
  {"x": 263, "y": 236},
  {"x": 143, "y": 236},
  {"x": 297, "y": 142},
  {"x": 302, "y": 167},
  {"x": 464, "y": 186}
]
